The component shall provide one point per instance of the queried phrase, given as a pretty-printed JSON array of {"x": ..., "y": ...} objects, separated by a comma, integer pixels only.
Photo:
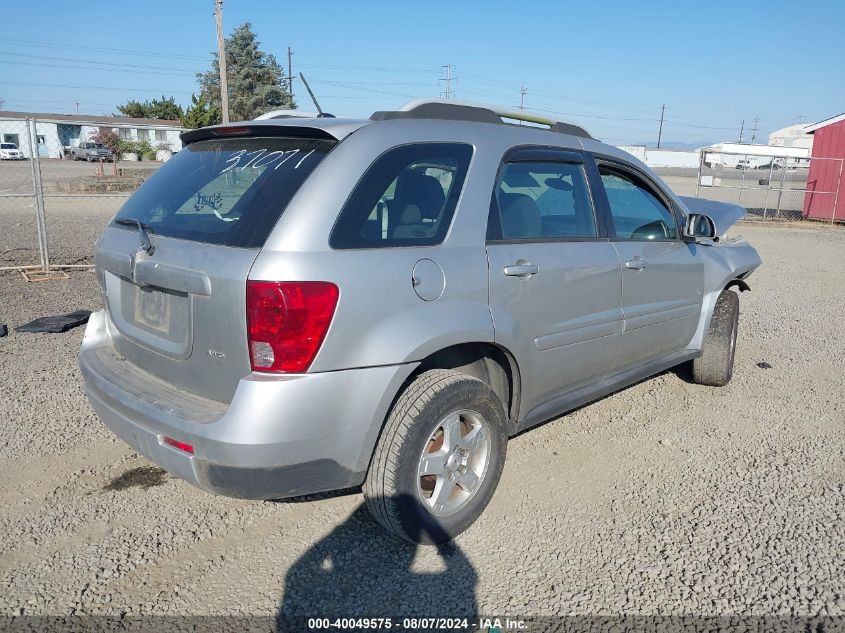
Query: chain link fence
[
  {"x": 54, "y": 202},
  {"x": 768, "y": 187},
  {"x": 22, "y": 244}
]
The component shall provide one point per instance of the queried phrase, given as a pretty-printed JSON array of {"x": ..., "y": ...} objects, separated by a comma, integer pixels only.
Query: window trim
[
  {"x": 364, "y": 174},
  {"x": 544, "y": 154},
  {"x": 624, "y": 167}
]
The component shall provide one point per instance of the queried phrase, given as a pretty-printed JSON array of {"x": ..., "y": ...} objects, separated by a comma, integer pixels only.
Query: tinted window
[
  {"x": 406, "y": 198},
  {"x": 638, "y": 214},
  {"x": 543, "y": 200},
  {"x": 225, "y": 191}
]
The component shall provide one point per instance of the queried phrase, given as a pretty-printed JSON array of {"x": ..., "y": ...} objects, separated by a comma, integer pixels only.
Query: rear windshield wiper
[{"x": 146, "y": 244}]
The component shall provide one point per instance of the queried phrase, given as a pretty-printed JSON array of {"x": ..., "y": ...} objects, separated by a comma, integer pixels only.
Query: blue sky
[{"x": 605, "y": 65}]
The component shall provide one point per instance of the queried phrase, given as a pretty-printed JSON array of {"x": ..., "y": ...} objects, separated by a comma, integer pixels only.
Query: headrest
[
  {"x": 520, "y": 216},
  {"x": 415, "y": 188}
]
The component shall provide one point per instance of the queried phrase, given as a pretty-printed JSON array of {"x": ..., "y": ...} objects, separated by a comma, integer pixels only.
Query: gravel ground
[{"x": 666, "y": 498}]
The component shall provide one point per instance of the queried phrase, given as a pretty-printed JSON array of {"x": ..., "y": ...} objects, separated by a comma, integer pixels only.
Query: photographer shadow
[{"x": 360, "y": 570}]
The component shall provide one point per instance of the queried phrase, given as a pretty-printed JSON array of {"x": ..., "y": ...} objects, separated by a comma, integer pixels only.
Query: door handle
[
  {"x": 521, "y": 268},
  {"x": 638, "y": 263}
]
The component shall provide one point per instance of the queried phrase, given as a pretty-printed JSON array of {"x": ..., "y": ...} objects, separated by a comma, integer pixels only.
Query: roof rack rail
[{"x": 451, "y": 110}]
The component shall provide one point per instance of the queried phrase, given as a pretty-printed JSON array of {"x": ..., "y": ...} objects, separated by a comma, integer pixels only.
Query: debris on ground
[
  {"x": 143, "y": 477},
  {"x": 56, "y": 324},
  {"x": 4, "y": 330}
]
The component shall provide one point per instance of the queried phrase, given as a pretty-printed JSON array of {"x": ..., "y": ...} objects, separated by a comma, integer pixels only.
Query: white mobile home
[{"x": 56, "y": 133}]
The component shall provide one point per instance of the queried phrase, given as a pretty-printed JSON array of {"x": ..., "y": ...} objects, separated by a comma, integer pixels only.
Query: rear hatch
[{"x": 177, "y": 298}]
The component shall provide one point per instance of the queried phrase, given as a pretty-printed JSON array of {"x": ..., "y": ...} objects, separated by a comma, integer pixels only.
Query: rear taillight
[{"x": 287, "y": 322}]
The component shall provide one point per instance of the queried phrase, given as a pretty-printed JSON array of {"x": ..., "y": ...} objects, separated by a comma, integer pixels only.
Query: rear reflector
[
  {"x": 287, "y": 322},
  {"x": 180, "y": 445}
]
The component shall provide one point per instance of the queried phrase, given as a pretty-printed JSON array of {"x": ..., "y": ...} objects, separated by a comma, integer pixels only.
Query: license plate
[{"x": 152, "y": 309}]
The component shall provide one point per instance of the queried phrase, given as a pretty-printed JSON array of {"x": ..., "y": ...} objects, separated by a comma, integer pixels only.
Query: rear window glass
[
  {"x": 406, "y": 198},
  {"x": 225, "y": 191}
]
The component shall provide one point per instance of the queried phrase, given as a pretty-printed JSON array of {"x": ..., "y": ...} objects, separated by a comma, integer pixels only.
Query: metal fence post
[
  {"x": 836, "y": 195},
  {"x": 780, "y": 190},
  {"x": 35, "y": 168}
]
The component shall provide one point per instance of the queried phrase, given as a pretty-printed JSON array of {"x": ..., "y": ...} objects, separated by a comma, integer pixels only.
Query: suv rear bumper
[{"x": 281, "y": 436}]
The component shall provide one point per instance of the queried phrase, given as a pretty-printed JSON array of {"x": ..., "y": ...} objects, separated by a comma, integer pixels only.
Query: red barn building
[{"x": 825, "y": 195}]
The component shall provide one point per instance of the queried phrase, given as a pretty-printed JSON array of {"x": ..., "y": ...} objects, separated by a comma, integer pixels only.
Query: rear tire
[
  {"x": 449, "y": 407},
  {"x": 715, "y": 365}
]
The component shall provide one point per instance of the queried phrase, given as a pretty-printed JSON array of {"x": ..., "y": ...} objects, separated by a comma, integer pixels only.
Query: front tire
[
  {"x": 715, "y": 365},
  {"x": 439, "y": 458}
]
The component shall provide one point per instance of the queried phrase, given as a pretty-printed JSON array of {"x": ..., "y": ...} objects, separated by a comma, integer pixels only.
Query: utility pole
[
  {"x": 522, "y": 92},
  {"x": 754, "y": 129},
  {"x": 741, "y": 130},
  {"x": 660, "y": 131},
  {"x": 290, "y": 74},
  {"x": 448, "y": 80},
  {"x": 221, "y": 61}
]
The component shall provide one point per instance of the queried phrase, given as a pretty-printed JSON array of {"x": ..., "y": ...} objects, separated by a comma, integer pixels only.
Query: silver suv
[{"x": 300, "y": 305}]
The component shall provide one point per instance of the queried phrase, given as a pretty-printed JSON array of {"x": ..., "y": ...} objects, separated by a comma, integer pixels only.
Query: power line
[
  {"x": 98, "y": 63},
  {"x": 349, "y": 86},
  {"x": 108, "y": 70},
  {"x": 76, "y": 87},
  {"x": 387, "y": 69},
  {"x": 97, "y": 49}
]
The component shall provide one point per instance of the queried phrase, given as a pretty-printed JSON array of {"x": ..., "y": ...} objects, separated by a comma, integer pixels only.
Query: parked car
[
  {"x": 301, "y": 305},
  {"x": 743, "y": 163},
  {"x": 10, "y": 151},
  {"x": 91, "y": 152}
]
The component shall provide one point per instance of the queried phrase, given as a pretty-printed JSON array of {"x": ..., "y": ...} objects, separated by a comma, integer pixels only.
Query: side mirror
[{"x": 699, "y": 227}]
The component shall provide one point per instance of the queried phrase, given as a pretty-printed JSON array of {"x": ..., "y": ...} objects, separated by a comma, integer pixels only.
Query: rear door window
[
  {"x": 406, "y": 198},
  {"x": 229, "y": 192},
  {"x": 542, "y": 200}
]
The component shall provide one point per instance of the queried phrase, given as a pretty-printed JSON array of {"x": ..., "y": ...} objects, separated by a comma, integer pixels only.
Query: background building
[
  {"x": 55, "y": 132},
  {"x": 792, "y": 136}
]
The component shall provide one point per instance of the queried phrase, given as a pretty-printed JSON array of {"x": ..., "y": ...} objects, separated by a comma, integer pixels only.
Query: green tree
[
  {"x": 256, "y": 82},
  {"x": 201, "y": 113},
  {"x": 164, "y": 108}
]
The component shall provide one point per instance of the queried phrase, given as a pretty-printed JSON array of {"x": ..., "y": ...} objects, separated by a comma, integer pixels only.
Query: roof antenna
[{"x": 320, "y": 113}]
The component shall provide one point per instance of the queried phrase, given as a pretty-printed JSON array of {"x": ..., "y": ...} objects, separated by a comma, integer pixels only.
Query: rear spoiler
[
  {"x": 252, "y": 128},
  {"x": 723, "y": 214}
]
